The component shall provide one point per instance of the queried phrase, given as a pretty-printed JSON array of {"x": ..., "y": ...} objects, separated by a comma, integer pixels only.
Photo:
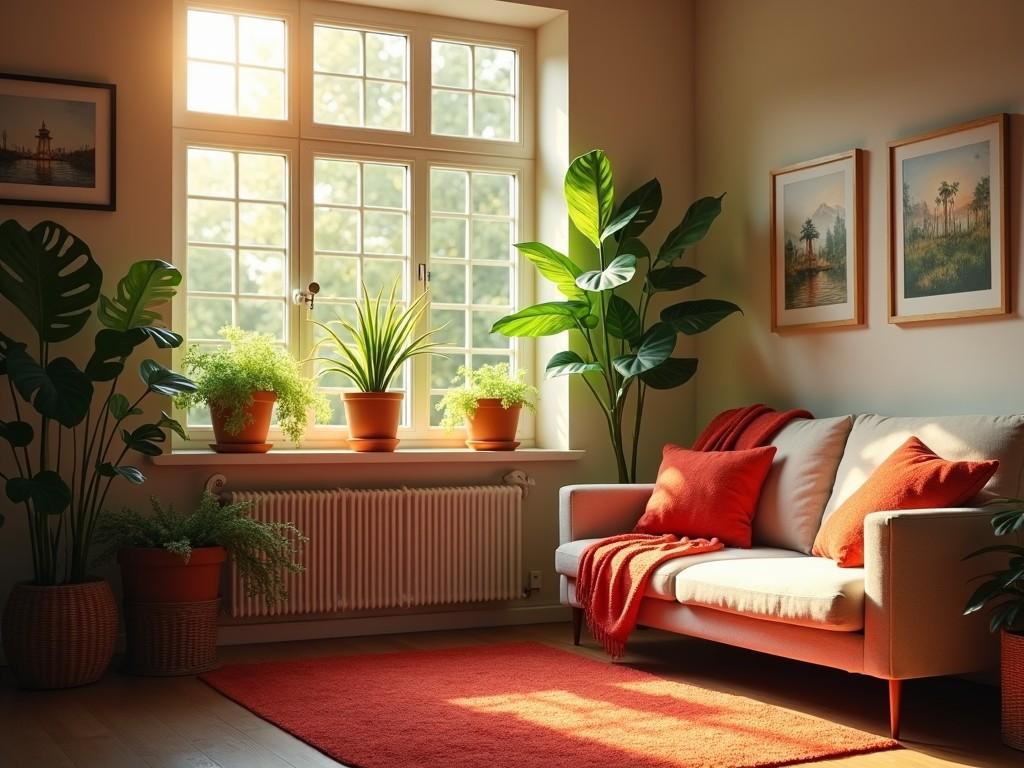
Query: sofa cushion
[
  {"x": 956, "y": 438},
  {"x": 808, "y": 591},
  {"x": 662, "y": 584},
  {"x": 800, "y": 481}
]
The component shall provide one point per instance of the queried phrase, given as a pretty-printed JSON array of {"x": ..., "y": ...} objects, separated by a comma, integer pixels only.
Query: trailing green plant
[
  {"x": 1004, "y": 587},
  {"x": 72, "y": 428},
  {"x": 264, "y": 552},
  {"x": 378, "y": 343},
  {"x": 618, "y": 351},
  {"x": 252, "y": 362},
  {"x": 469, "y": 387}
]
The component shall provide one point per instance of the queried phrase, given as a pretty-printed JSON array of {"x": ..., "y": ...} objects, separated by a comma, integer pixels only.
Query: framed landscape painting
[
  {"x": 56, "y": 142},
  {"x": 949, "y": 224},
  {"x": 816, "y": 234}
]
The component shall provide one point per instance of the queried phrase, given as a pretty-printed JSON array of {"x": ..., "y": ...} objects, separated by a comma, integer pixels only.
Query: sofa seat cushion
[
  {"x": 808, "y": 591},
  {"x": 663, "y": 581}
]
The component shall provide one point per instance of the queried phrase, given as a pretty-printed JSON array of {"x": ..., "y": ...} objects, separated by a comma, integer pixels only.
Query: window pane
[
  {"x": 444, "y": 369},
  {"x": 211, "y": 172},
  {"x": 435, "y": 415},
  {"x": 337, "y": 100},
  {"x": 211, "y": 87},
  {"x": 450, "y": 64},
  {"x": 211, "y": 221},
  {"x": 447, "y": 238},
  {"x": 491, "y": 240},
  {"x": 492, "y": 194},
  {"x": 261, "y": 272},
  {"x": 336, "y": 229},
  {"x": 482, "y": 336},
  {"x": 211, "y": 36},
  {"x": 384, "y": 233},
  {"x": 491, "y": 285},
  {"x": 449, "y": 113},
  {"x": 385, "y": 105},
  {"x": 261, "y": 224},
  {"x": 261, "y": 42},
  {"x": 380, "y": 275},
  {"x": 491, "y": 359},
  {"x": 384, "y": 185},
  {"x": 492, "y": 116},
  {"x": 448, "y": 190},
  {"x": 338, "y": 51},
  {"x": 338, "y": 276},
  {"x": 262, "y": 317},
  {"x": 335, "y": 181},
  {"x": 448, "y": 283},
  {"x": 494, "y": 69},
  {"x": 209, "y": 269},
  {"x": 385, "y": 56},
  {"x": 207, "y": 316},
  {"x": 261, "y": 93},
  {"x": 261, "y": 177},
  {"x": 453, "y": 322}
]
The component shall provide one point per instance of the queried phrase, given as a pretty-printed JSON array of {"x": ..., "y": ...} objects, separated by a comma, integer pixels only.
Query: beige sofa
[{"x": 898, "y": 617}]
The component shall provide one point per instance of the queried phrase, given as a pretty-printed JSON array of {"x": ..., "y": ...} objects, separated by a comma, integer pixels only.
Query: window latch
[
  {"x": 422, "y": 273},
  {"x": 306, "y": 295}
]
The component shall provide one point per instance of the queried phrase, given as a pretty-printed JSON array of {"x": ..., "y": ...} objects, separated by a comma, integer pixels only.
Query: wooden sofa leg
[
  {"x": 577, "y": 625},
  {"x": 895, "y": 691}
]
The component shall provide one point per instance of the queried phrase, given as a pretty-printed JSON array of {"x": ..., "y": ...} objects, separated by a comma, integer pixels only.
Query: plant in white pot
[{"x": 489, "y": 401}]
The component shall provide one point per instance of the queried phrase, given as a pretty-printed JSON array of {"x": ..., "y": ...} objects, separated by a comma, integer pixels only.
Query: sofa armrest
[
  {"x": 916, "y": 584},
  {"x": 596, "y": 511}
]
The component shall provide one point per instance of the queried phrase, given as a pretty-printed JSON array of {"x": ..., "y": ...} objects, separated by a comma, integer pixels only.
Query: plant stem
[{"x": 641, "y": 393}]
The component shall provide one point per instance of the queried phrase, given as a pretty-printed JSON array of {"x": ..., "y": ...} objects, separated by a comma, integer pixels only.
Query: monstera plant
[
  {"x": 72, "y": 429},
  {"x": 622, "y": 350}
]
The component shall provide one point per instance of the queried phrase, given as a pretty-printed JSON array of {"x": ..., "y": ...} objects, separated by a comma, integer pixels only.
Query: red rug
[{"x": 524, "y": 705}]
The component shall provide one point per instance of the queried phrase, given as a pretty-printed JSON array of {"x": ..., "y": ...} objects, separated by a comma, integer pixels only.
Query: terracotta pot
[
  {"x": 373, "y": 419},
  {"x": 1012, "y": 666},
  {"x": 60, "y": 637},
  {"x": 254, "y": 433},
  {"x": 493, "y": 427},
  {"x": 154, "y": 575}
]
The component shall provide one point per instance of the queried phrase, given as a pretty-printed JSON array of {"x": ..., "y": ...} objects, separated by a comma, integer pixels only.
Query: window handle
[
  {"x": 422, "y": 273},
  {"x": 306, "y": 295}
]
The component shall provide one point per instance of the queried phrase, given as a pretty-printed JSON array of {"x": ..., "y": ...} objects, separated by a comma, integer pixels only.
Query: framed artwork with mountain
[
  {"x": 817, "y": 261},
  {"x": 949, "y": 224}
]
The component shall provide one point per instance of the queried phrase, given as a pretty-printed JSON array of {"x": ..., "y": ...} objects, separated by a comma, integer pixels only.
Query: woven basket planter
[
  {"x": 60, "y": 637},
  {"x": 1013, "y": 689},
  {"x": 168, "y": 639}
]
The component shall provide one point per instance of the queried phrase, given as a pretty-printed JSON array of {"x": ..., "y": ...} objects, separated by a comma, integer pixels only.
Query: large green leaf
[
  {"x": 163, "y": 380},
  {"x": 50, "y": 276},
  {"x": 166, "y": 422},
  {"x": 147, "y": 284},
  {"x": 697, "y": 316},
  {"x": 672, "y": 279},
  {"x": 619, "y": 272},
  {"x": 144, "y": 438},
  {"x": 647, "y": 199},
  {"x": 622, "y": 320},
  {"x": 131, "y": 474},
  {"x": 673, "y": 373},
  {"x": 636, "y": 247},
  {"x": 619, "y": 221},
  {"x": 566, "y": 363},
  {"x": 17, "y": 433},
  {"x": 1007, "y": 521},
  {"x": 555, "y": 266},
  {"x": 544, "y": 319},
  {"x": 590, "y": 194},
  {"x": 46, "y": 490},
  {"x": 60, "y": 391},
  {"x": 6, "y": 345},
  {"x": 692, "y": 228},
  {"x": 111, "y": 348},
  {"x": 654, "y": 349}
]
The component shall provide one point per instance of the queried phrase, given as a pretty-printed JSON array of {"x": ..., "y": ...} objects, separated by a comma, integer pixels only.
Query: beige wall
[
  {"x": 619, "y": 75},
  {"x": 787, "y": 80}
]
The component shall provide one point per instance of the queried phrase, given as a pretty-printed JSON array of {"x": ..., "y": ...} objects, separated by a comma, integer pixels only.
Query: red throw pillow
[
  {"x": 913, "y": 477},
  {"x": 703, "y": 494}
]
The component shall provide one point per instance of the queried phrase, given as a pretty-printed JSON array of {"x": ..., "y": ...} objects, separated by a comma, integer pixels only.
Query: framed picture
[
  {"x": 817, "y": 268},
  {"x": 56, "y": 142},
  {"x": 949, "y": 224}
]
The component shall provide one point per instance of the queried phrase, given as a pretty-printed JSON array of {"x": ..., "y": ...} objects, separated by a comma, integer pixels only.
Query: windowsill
[{"x": 201, "y": 458}]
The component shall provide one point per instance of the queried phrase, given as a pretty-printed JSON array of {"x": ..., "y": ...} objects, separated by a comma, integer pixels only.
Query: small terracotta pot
[
  {"x": 254, "y": 433},
  {"x": 154, "y": 575},
  {"x": 373, "y": 419},
  {"x": 493, "y": 425},
  {"x": 1012, "y": 666}
]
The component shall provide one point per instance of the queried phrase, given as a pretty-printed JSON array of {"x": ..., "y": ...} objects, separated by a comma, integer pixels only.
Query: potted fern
[
  {"x": 242, "y": 383},
  {"x": 373, "y": 353},
  {"x": 489, "y": 402}
]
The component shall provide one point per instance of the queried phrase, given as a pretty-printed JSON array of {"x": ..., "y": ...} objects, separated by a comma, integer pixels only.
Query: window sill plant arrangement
[
  {"x": 617, "y": 350},
  {"x": 168, "y": 557},
  {"x": 71, "y": 433},
  {"x": 242, "y": 382},
  {"x": 1005, "y": 589},
  {"x": 373, "y": 353},
  {"x": 489, "y": 403}
]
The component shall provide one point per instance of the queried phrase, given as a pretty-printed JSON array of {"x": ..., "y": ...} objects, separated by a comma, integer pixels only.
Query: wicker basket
[
  {"x": 167, "y": 639},
  {"x": 60, "y": 637},
  {"x": 1013, "y": 689}
]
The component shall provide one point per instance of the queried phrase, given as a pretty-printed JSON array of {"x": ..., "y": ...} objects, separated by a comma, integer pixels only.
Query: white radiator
[{"x": 393, "y": 548}]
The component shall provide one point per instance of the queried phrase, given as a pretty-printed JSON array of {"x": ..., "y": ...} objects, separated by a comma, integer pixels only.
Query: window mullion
[{"x": 419, "y": 234}]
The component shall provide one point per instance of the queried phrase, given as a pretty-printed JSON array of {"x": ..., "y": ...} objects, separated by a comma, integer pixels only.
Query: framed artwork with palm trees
[
  {"x": 817, "y": 243},
  {"x": 949, "y": 224}
]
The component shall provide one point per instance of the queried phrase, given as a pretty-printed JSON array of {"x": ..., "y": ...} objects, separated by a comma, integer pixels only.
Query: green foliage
[
  {"x": 252, "y": 362},
  {"x": 379, "y": 343},
  {"x": 69, "y": 443},
  {"x": 1005, "y": 587},
  {"x": 486, "y": 382},
  {"x": 264, "y": 552},
  {"x": 622, "y": 352}
]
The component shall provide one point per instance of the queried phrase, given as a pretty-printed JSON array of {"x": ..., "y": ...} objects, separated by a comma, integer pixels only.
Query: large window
[{"x": 407, "y": 170}]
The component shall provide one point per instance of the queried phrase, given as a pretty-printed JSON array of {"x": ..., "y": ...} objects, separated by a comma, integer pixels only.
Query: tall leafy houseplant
[
  {"x": 621, "y": 350},
  {"x": 72, "y": 428}
]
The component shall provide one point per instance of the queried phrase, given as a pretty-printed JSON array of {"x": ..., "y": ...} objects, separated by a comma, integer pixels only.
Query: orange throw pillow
[
  {"x": 707, "y": 494},
  {"x": 913, "y": 477}
]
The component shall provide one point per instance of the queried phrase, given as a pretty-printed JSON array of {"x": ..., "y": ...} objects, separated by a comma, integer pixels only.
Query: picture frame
[
  {"x": 817, "y": 243},
  {"x": 57, "y": 142},
  {"x": 949, "y": 223}
]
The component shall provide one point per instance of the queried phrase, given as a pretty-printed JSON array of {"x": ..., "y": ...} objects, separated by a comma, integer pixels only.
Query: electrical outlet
[{"x": 535, "y": 580}]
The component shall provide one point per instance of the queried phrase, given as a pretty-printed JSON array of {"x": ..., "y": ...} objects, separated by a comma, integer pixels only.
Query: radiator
[{"x": 393, "y": 548}]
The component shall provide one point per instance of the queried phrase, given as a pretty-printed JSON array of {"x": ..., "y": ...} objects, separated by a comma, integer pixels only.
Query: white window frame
[{"x": 299, "y": 138}]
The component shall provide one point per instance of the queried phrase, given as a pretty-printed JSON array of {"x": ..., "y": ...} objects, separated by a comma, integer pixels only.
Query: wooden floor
[{"x": 181, "y": 723}]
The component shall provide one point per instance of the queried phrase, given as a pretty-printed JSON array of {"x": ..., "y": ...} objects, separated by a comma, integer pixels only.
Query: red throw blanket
[{"x": 614, "y": 572}]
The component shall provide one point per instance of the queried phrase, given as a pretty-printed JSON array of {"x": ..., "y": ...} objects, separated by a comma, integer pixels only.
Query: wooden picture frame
[
  {"x": 57, "y": 142},
  {"x": 949, "y": 258},
  {"x": 820, "y": 199}
]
